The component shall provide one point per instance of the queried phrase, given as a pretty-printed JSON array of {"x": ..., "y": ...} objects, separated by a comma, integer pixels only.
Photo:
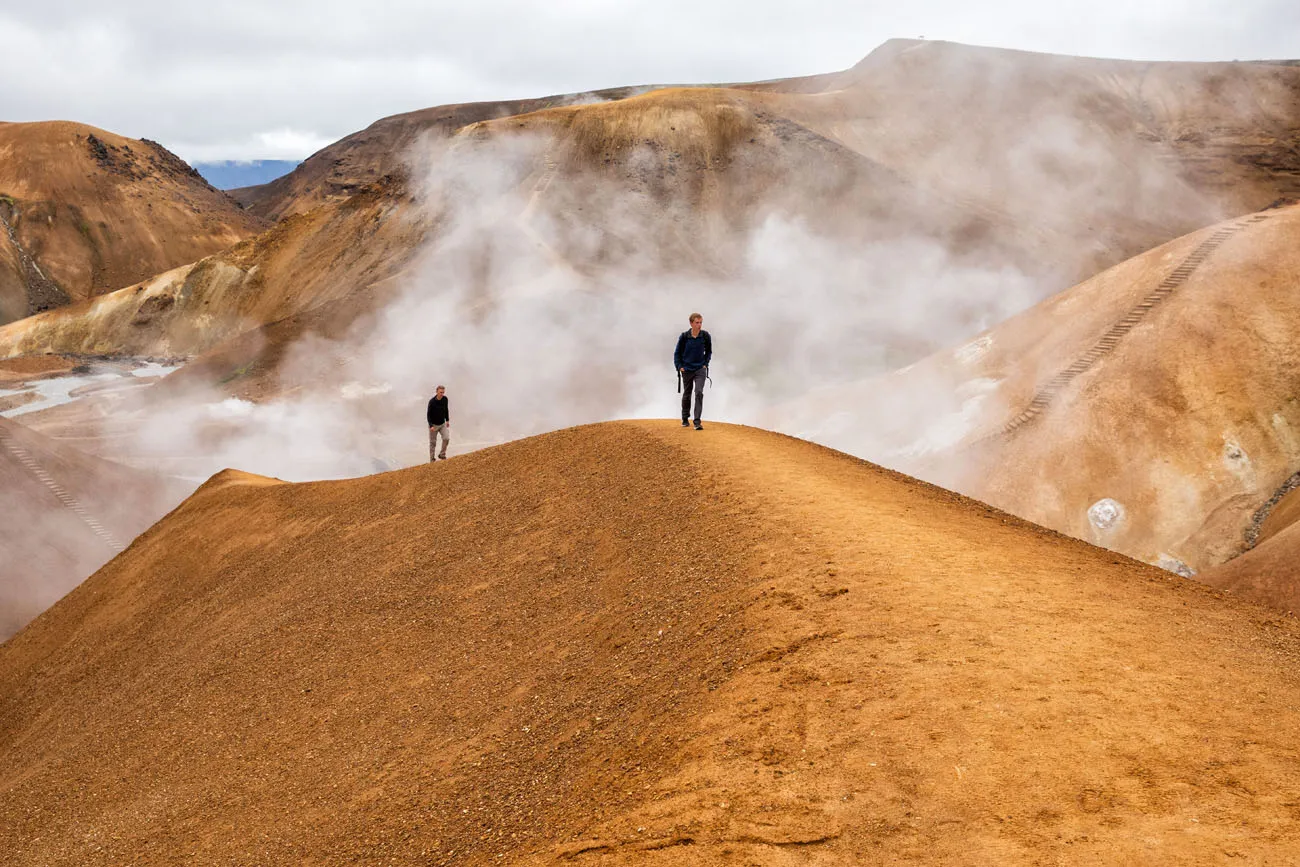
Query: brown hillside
[
  {"x": 682, "y": 176},
  {"x": 84, "y": 211},
  {"x": 1280, "y": 512},
  {"x": 303, "y": 261},
  {"x": 631, "y": 643},
  {"x": 1166, "y": 384},
  {"x": 579, "y": 191},
  {"x": 336, "y": 172},
  {"x": 1097, "y": 159},
  {"x": 1269, "y": 570},
  {"x": 62, "y": 515},
  {"x": 1081, "y": 162},
  {"x": 1044, "y": 120},
  {"x": 1269, "y": 573}
]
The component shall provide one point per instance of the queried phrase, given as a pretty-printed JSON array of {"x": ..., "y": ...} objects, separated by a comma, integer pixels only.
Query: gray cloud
[{"x": 247, "y": 80}]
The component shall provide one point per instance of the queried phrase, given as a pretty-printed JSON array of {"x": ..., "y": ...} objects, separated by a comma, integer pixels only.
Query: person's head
[
  {"x": 696, "y": 321},
  {"x": 440, "y": 392}
]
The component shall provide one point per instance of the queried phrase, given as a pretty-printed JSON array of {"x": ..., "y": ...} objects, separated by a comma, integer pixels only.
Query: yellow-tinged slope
[{"x": 1151, "y": 409}]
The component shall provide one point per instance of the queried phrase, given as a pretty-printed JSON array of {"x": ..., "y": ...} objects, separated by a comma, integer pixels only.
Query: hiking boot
[
  {"x": 685, "y": 423},
  {"x": 698, "y": 426}
]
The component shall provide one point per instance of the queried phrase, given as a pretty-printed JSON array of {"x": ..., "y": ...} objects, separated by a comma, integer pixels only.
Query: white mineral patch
[
  {"x": 1238, "y": 463},
  {"x": 152, "y": 370},
  {"x": 1105, "y": 513},
  {"x": 973, "y": 351},
  {"x": 57, "y": 391},
  {"x": 1170, "y": 563}
]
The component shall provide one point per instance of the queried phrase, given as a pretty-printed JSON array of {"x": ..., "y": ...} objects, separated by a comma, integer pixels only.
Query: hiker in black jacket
[
  {"x": 691, "y": 358},
  {"x": 439, "y": 418}
]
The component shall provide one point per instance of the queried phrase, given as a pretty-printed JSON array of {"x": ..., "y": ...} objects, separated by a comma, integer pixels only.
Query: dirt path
[{"x": 950, "y": 685}]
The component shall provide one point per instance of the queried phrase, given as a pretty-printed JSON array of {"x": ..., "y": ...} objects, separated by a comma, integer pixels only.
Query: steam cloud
[{"x": 505, "y": 311}]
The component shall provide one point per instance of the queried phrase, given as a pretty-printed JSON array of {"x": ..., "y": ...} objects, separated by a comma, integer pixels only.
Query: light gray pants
[{"x": 440, "y": 431}]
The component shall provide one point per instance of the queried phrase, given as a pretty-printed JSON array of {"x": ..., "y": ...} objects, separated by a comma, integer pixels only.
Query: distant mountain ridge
[{"x": 234, "y": 174}]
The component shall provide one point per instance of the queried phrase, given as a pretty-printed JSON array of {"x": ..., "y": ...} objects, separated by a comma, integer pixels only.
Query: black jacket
[{"x": 439, "y": 412}]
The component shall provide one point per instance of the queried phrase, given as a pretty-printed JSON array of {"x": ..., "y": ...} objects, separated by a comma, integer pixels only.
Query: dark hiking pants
[{"x": 693, "y": 379}]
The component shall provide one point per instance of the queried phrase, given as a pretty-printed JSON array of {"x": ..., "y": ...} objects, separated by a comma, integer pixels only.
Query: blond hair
[{"x": 695, "y": 316}]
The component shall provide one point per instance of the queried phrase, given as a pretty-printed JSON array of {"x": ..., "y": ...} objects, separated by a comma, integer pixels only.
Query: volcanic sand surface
[{"x": 636, "y": 643}]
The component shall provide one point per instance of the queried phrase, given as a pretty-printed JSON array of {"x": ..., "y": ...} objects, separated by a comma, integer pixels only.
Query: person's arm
[
  {"x": 677, "y": 353},
  {"x": 446, "y": 409},
  {"x": 428, "y": 413},
  {"x": 708, "y": 348}
]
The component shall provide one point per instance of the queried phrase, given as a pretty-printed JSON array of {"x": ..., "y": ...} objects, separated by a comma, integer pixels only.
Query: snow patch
[{"x": 56, "y": 391}]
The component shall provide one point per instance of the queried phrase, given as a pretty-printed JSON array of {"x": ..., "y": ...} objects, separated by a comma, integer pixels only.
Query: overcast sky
[{"x": 252, "y": 79}]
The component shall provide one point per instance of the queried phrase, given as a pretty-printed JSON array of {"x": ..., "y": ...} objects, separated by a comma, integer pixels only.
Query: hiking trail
[
  {"x": 29, "y": 463},
  {"x": 1111, "y": 338}
]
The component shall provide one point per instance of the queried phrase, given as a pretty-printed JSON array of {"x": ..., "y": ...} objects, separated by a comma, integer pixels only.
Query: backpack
[{"x": 708, "y": 341}]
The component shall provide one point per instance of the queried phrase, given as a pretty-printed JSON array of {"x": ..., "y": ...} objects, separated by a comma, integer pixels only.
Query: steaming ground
[
  {"x": 64, "y": 514},
  {"x": 851, "y": 664},
  {"x": 519, "y": 363},
  {"x": 529, "y": 339},
  {"x": 541, "y": 265},
  {"x": 1150, "y": 410}
]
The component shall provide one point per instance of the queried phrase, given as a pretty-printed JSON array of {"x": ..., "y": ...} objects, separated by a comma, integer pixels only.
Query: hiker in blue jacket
[{"x": 691, "y": 358}]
